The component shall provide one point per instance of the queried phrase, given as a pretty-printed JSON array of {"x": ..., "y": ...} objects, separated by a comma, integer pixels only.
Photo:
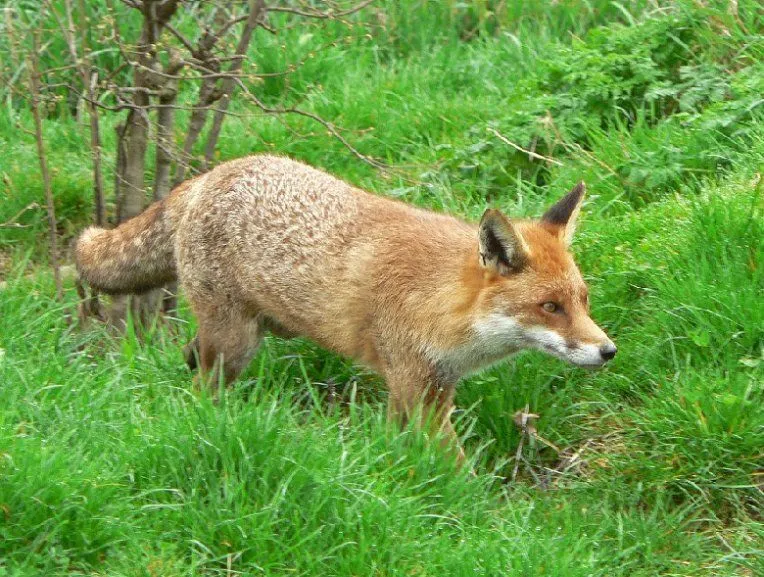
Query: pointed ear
[
  {"x": 560, "y": 219},
  {"x": 501, "y": 246}
]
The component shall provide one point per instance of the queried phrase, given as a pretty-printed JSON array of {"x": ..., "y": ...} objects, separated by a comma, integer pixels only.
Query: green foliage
[{"x": 111, "y": 465}]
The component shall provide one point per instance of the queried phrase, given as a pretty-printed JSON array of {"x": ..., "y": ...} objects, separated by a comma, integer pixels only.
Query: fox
[{"x": 267, "y": 244}]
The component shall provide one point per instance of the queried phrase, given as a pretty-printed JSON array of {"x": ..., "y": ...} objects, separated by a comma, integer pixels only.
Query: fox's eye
[{"x": 551, "y": 307}]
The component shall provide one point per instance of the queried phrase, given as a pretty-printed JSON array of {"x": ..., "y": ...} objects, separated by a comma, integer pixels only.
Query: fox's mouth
[{"x": 585, "y": 356}]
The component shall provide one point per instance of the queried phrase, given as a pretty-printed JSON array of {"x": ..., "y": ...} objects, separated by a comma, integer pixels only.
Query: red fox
[{"x": 265, "y": 243}]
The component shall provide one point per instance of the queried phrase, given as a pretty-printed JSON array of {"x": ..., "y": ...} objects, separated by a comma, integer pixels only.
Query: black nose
[{"x": 608, "y": 351}]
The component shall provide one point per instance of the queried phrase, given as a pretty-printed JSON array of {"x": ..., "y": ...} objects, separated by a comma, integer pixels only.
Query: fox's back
[{"x": 298, "y": 244}]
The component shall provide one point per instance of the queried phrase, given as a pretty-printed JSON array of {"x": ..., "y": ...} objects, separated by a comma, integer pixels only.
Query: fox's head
[{"x": 533, "y": 295}]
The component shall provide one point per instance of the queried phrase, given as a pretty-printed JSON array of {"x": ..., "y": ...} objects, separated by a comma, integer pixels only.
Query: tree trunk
[
  {"x": 207, "y": 96},
  {"x": 34, "y": 88},
  {"x": 257, "y": 11},
  {"x": 134, "y": 137},
  {"x": 90, "y": 85},
  {"x": 95, "y": 150},
  {"x": 165, "y": 128},
  {"x": 164, "y": 156},
  {"x": 165, "y": 125},
  {"x": 134, "y": 142},
  {"x": 208, "y": 92}
]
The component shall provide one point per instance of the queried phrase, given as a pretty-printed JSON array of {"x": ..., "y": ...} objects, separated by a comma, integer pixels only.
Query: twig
[
  {"x": 524, "y": 421},
  {"x": 590, "y": 156},
  {"x": 211, "y": 38},
  {"x": 325, "y": 123},
  {"x": 518, "y": 456},
  {"x": 574, "y": 458},
  {"x": 318, "y": 14},
  {"x": 11, "y": 222},
  {"x": 530, "y": 153},
  {"x": 549, "y": 121}
]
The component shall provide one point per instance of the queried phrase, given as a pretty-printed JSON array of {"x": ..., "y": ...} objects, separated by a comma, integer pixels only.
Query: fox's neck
[
  {"x": 465, "y": 341},
  {"x": 447, "y": 315}
]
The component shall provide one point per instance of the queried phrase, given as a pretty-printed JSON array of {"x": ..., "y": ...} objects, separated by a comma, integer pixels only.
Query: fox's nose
[{"x": 608, "y": 351}]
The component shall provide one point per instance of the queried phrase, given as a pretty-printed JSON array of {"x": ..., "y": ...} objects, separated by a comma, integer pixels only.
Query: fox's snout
[
  {"x": 583, "y": 344},
  {"x": 582, "y": 354},
  {"x": 588, "y": 354},
  {"x": 594, "y": 350},
  {"x": 604, "y": 353}
]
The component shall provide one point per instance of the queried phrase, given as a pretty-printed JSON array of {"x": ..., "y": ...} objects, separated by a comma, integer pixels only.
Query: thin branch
[
  {"x": 208, "y": 39},
  {"x": 125, "y": 105},
  {"x": 62, "y": 68},
  {"x": 590, "y": 156},
  {"x": 518, "y": 456},
  {"x": 319, "y": 14},
  {"x": 183, "y": 40},
  {"x": 257, "y": 11},
  {"x": 208, "y": 73},
  {"x": 549, "y": 121},
  {"x": 315, "y": 117},
  {"x": 13, "y": 40},
  {"x": 11, "y": 222},
  {"x": 530, "y": 153}
]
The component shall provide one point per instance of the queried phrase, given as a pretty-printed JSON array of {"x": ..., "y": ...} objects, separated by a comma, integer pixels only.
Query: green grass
[{"x": 111, "y": 465}]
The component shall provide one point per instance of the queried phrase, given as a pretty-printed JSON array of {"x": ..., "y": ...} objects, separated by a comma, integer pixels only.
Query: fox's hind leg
[
  {"x": 227, "y": 340},
  {"x": 191, "y": 350},
  {"x": 191, "y": 353}
]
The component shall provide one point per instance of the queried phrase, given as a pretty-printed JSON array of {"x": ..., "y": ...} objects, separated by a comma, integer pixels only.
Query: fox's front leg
[{"x": 419, "y": 392}]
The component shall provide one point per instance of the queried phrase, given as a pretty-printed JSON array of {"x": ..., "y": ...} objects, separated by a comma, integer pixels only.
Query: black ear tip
[
  {"x": 491, "y": 215},
  {"x": 560, "y": 213}
]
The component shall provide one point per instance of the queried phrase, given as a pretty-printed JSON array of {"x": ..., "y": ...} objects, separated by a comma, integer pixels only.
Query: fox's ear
[
  {"x": 560, "y": 219},
  {"x": 501, "y": 246}
]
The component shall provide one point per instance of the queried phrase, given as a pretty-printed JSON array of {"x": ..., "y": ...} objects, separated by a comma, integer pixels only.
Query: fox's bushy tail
[{"x": 133, "y": 258}]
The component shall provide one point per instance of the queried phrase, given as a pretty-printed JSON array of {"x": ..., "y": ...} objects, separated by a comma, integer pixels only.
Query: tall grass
[{"x": 111, "y": 465}]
